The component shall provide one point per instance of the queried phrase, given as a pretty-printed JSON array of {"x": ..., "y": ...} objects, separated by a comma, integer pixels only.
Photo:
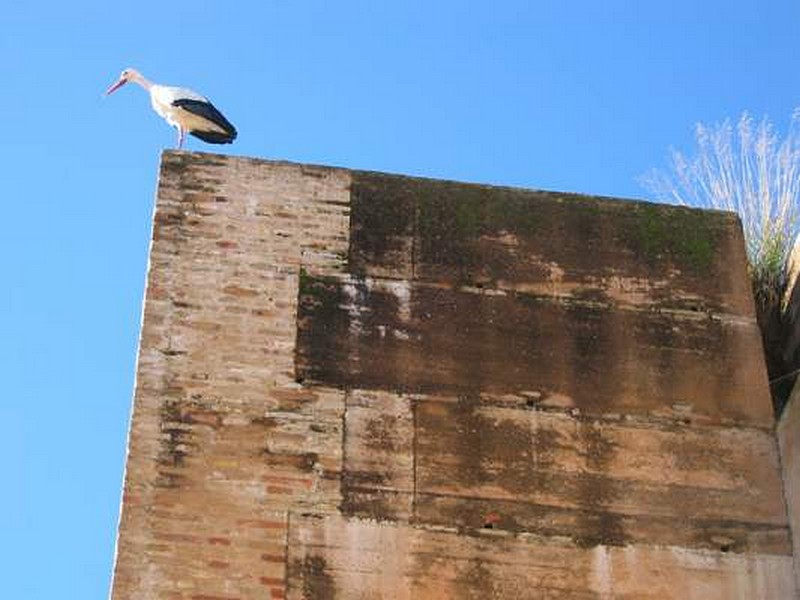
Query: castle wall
[{"x": 361, "y": 385}]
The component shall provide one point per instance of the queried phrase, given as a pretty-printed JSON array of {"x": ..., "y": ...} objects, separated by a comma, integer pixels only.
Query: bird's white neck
[{"x": 141, "y": 80}]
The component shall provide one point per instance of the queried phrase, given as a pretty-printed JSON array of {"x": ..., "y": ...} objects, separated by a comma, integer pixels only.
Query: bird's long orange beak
[{"x": 116, "y": 86}]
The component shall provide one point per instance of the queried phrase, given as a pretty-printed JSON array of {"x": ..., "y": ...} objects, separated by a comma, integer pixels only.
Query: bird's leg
[{"x": 181, "y": 135}]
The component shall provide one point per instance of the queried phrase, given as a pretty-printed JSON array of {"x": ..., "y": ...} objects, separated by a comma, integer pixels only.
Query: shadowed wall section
[{"x": 355, "y": 385}]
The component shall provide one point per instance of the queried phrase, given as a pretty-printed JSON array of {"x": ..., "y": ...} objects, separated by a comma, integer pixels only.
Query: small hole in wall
[
  {"x": 490, "y": 520},
  {"x": 726, "y": 547}
]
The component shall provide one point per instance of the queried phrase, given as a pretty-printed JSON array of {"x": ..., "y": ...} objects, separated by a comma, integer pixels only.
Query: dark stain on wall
[
  {"x": 352, "y": 333},
  {"x": 428, "y": 230},
  {"x": 599, "y": 524},
  {"x": 317, "y": 582}
]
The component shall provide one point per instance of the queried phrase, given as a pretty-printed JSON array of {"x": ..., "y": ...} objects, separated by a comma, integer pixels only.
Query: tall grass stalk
[{"x": 749, "y": 169}]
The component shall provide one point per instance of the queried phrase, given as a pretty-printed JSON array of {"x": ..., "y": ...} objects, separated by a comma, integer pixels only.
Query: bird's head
[{"x": 126, "y": 76}]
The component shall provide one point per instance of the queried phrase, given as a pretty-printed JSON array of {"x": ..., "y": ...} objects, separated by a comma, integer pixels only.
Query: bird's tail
[{"x": 215, "y": 137}]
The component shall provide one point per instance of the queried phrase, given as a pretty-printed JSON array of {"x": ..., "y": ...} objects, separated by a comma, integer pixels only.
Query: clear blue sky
[{"x": 580, "y": 96}]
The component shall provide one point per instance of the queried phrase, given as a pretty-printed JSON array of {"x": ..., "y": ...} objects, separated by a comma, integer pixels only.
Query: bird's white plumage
[
  {"x": 168, "y": 94},
  {"x": 162, "y": 98}
]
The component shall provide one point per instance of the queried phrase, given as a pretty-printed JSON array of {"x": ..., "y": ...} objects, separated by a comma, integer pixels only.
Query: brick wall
[{"x": 354, "y": 385}]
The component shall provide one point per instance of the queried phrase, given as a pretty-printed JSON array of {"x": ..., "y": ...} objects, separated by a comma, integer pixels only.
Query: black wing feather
[{"x": 208, "y": 111}]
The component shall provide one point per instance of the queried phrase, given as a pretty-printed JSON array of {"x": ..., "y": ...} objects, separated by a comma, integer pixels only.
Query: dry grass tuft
[{"x": 750, "y": 170}]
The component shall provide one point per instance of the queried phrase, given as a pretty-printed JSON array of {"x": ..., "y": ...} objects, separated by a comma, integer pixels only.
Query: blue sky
[{"x": 580, "y": 96}]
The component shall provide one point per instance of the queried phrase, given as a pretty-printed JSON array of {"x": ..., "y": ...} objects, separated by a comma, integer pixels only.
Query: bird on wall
[{"x": 184, "y": 109}]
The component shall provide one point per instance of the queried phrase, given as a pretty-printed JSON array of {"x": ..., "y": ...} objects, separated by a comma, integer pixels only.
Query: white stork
[{"x": 187, "y": 111}]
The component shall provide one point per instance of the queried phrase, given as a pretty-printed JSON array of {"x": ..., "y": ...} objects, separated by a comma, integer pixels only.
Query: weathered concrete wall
[
  {"x": 789, "y": 439},
  {"x": 354, "y": 385}
]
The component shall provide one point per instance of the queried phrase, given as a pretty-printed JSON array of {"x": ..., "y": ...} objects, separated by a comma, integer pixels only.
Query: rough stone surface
[
  {"x": 789, "y": 439},
  {"x": 355, "y": 385},
  {"x": 333, "y": 557}
]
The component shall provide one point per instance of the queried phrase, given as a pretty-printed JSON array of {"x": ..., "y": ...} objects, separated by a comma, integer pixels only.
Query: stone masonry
[{"x": 357, "y": 385}]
